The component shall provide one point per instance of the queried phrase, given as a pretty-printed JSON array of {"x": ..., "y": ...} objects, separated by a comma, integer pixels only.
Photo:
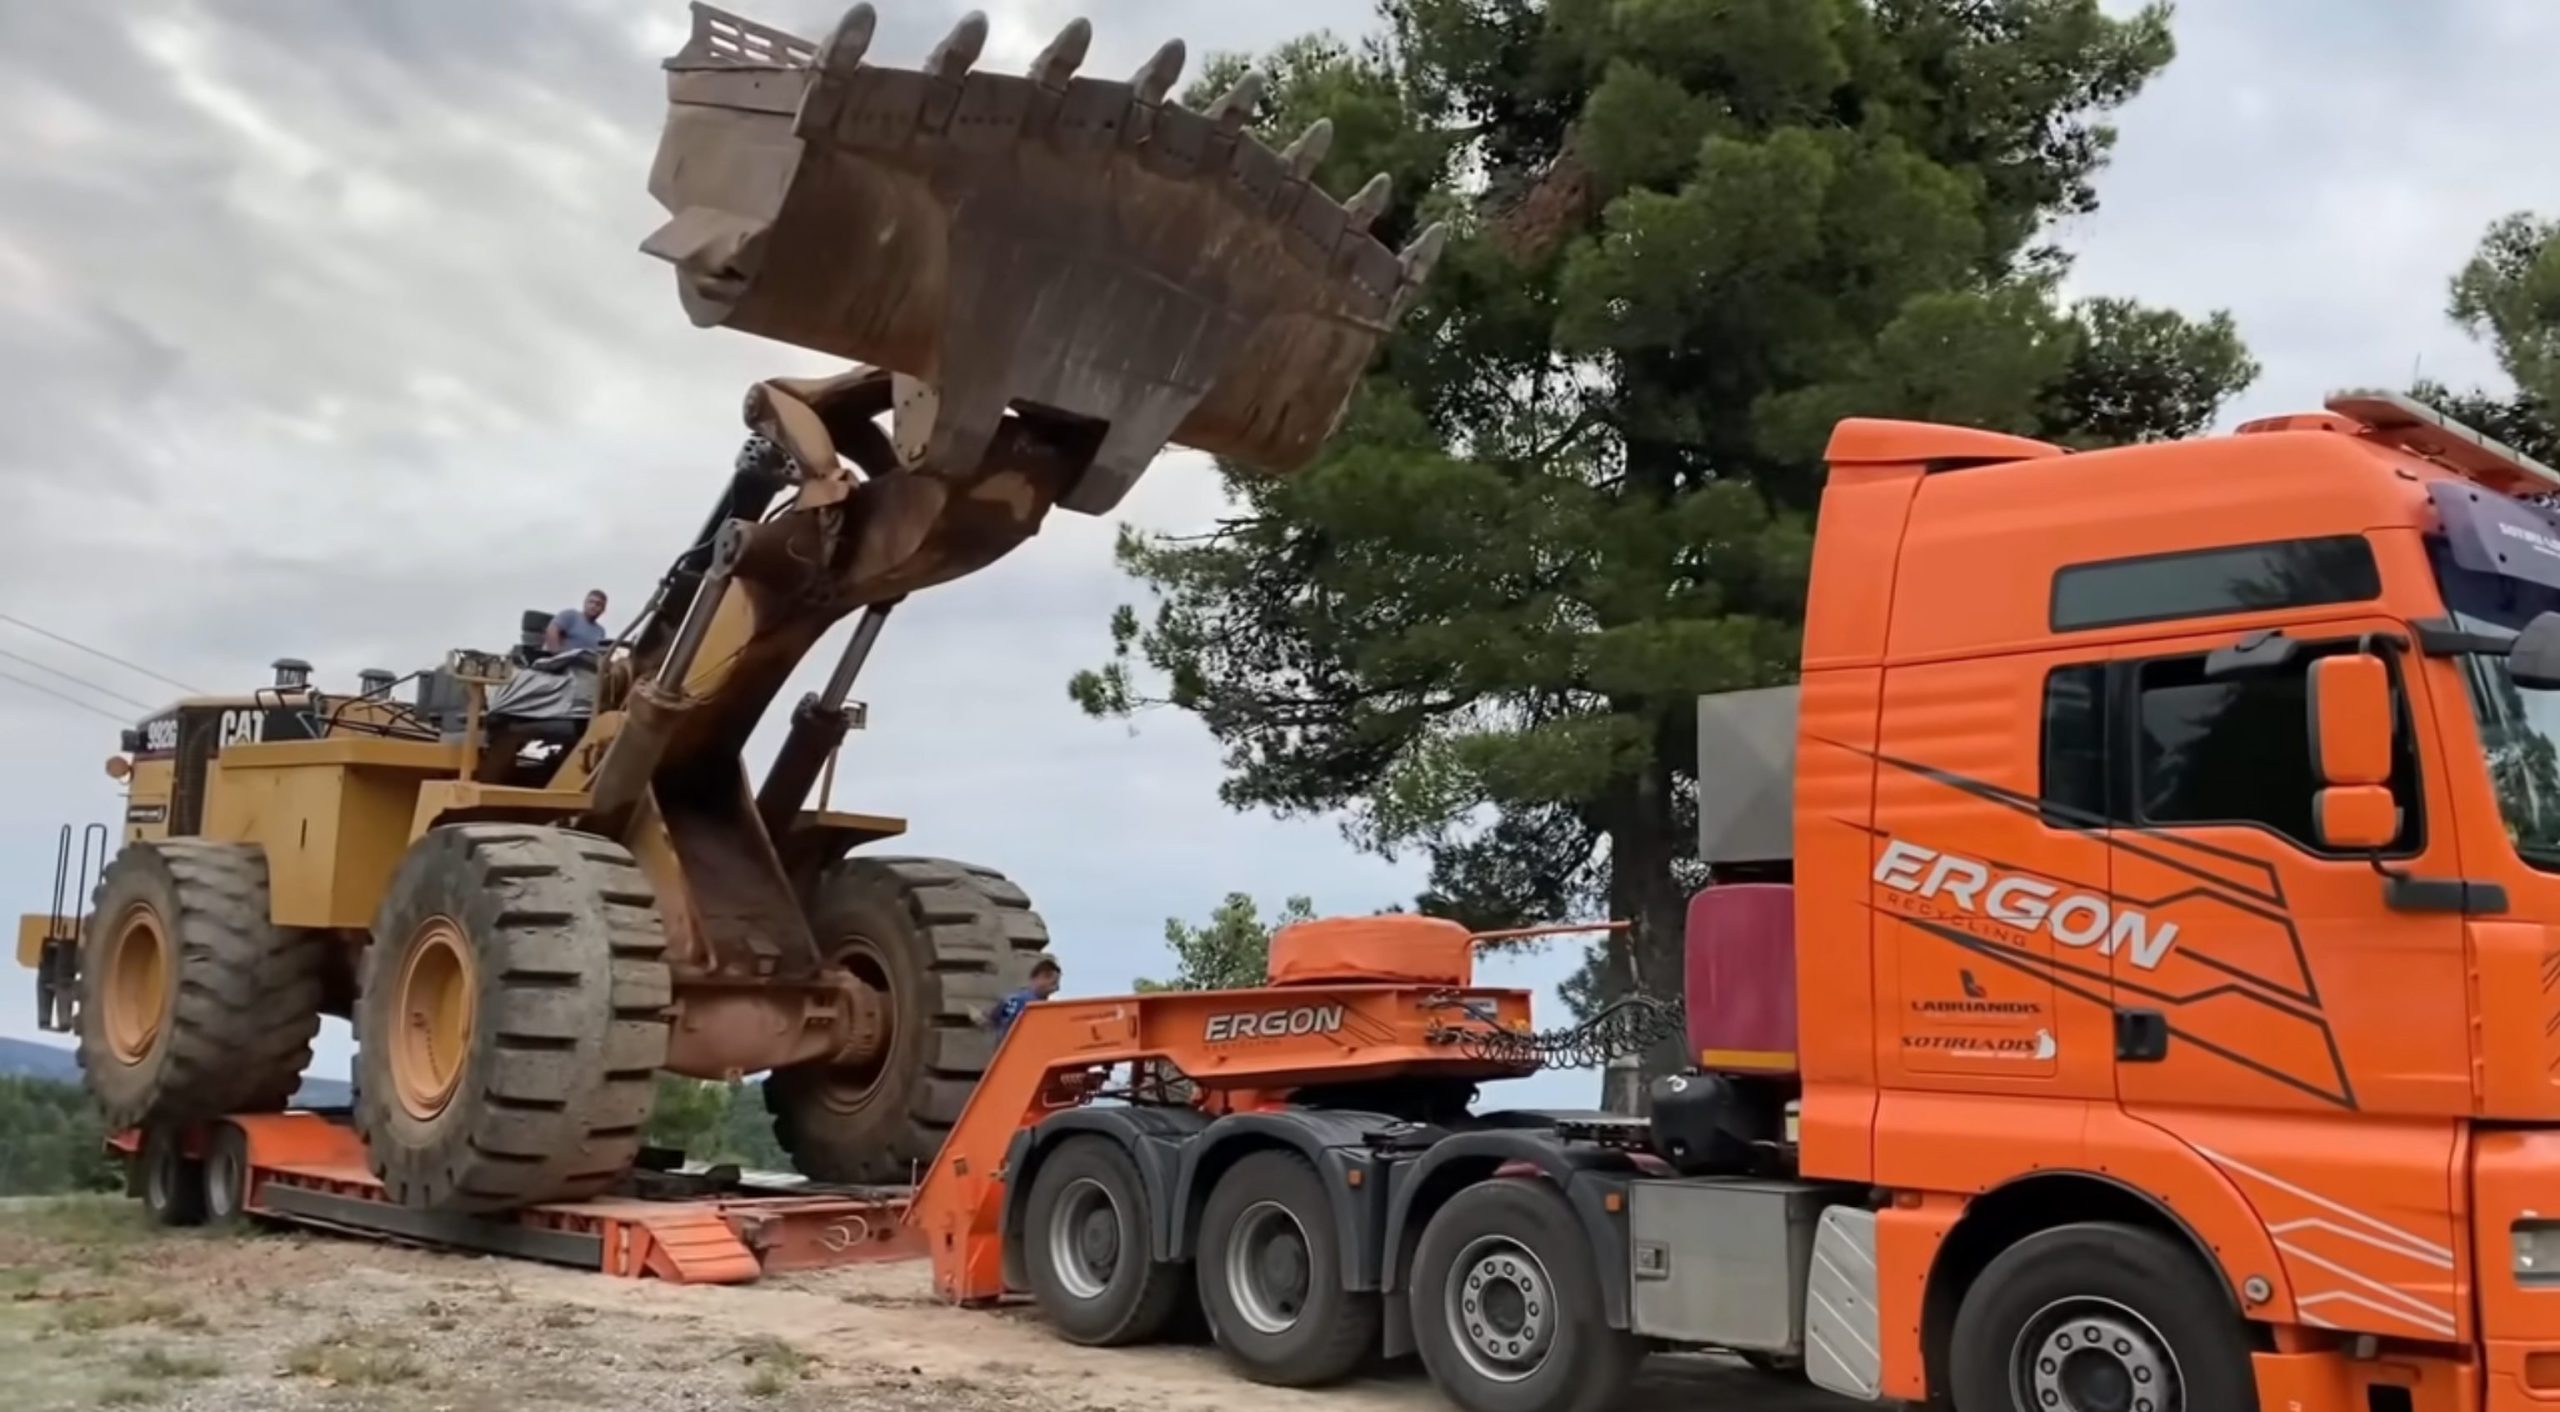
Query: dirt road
[{"x": 97, "y": 1310}]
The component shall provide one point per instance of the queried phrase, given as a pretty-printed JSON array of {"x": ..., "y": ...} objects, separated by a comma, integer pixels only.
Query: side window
[
  {"x": 2238, "y": 751},
  {"x": 2074, "y": 786},
  {"x": 2203, "y": 583}
]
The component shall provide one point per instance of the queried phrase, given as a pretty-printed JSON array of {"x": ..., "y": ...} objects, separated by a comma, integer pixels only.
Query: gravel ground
[{"x": 99, "y": 1310}]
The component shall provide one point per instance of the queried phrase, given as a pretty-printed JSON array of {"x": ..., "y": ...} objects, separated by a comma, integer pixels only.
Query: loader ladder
[{"x": 58, "y": 950}]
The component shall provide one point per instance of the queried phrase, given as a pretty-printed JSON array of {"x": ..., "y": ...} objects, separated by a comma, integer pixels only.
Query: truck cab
[
  {"x": 2174, "y": 839},
  {"x": 2127, "y": 982}
]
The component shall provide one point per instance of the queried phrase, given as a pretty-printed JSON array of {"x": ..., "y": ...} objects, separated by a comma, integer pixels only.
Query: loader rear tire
[
  {"x": 511, "y": 1019},
  {"x": 192, "y": 1003},
  {"x": 943, "y": 941}
]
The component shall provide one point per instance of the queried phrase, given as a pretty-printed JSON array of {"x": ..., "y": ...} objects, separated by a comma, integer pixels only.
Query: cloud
[{"x": 2321, "y": 170}]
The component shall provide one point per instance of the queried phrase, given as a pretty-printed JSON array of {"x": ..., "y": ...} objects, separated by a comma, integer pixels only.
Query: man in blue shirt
[
  {"x": 576, "y": 629},
  {"x": 1044, "y": 983}
]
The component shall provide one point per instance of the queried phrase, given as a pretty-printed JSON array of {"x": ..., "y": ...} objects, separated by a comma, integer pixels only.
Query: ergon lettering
[
  {"x": 2083, "y": 920},
  {"x": 1231, "y": 1025}
]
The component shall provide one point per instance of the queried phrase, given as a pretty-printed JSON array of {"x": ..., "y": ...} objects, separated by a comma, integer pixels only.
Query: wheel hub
[
  {"x": 1084, "y": 1239},
  {"x": 867, "y": 998},
  {"x": 137, "y": 984},
  {"x": 435, "y": 1003},
  {"x": 1268, "y": 1267},
  {"x": 2094, "y": 1355},
  {"x": 1501, "y": 1308}
]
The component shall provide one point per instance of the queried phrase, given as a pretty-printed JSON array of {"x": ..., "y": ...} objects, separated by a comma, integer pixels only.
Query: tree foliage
[
  {"x": 1232, "y": 951},
  {"x": 716, "y": 1122},
  {"x": 1576, "y": 489},
  {"x": 52, "y": 1140},
  {"x": 2508, "y": 296}
]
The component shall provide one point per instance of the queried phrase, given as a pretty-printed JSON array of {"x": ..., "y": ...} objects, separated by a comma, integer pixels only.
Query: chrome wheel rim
[
  {"x": 1500, "y": 1304},
  {"x": 1084, "y": 1238},
  {"x": 2088, "y": 1354},
  {"x": 1269, "y": 1267}
]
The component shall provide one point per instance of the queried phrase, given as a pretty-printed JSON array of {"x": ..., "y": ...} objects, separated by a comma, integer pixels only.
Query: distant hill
[{"x": 28, "y": 1059}]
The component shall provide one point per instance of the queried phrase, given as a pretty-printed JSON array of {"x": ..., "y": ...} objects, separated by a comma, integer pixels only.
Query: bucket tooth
[
  {"x": 959, "y": 50},
  {"x": 1065, "y": 54},
  {"x": 1234, "y": 107},
  {"x": 1308, "y": 152},
  {"x": 845, "y": 45},
  {"x": 1157, "y": 76},
  {"x": 1368, "y": 203},
  {"x": 1059, "y": 260},
  {"x": 1418, "y": 260}
]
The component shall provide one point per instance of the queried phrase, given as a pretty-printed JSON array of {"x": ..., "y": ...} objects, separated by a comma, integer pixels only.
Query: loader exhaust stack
[{"x": 1079, "y": 250}]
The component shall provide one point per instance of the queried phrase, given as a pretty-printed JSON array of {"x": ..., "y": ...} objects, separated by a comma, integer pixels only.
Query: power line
[
  {"x": 79, "y": 681},
  {"x": 79, "y": 646},
  {"x": 65, "y": 697}
]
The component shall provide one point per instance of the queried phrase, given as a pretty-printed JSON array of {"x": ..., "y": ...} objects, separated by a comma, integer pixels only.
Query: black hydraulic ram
[{"x": 818, "y": 726}]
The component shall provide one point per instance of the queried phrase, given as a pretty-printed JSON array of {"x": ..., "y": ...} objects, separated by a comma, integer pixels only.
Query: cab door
[
  {"x": 1973, "y": 994},
  {"x": 2254, "y": 968}
]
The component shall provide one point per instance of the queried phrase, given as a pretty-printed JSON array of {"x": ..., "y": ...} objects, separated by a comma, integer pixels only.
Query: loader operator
[{"x": 577, "y": 629}]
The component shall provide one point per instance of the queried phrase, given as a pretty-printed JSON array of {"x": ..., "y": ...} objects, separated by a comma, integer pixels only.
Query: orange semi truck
[{"x": 2144, "y": 905}]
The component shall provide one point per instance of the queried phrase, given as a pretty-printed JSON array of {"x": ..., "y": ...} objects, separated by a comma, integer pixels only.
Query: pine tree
[{"x": 1576, "y": 490}]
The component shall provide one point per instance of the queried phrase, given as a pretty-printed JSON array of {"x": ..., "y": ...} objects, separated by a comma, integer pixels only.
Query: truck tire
[
  {"x": 1087, "y": 1249},
  {"x": 226, "y": 1177},
  {"x": 172, "y": 1183},
  {"x": 1270, "y": 1273},
  {"x": 2070, "y": 1317},
  {"x": 192, "y": 1003},
  {"x": 943, "y": 942},
  {"x": 1507, "y": 1309},
  {"x": 511, "y": 1019}
]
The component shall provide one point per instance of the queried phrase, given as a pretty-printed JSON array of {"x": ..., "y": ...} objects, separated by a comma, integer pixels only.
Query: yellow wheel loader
[{"x": 534, "y": 881}]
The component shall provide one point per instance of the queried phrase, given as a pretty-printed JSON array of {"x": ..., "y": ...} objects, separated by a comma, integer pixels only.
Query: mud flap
[{"x": 1044, "y": 242}]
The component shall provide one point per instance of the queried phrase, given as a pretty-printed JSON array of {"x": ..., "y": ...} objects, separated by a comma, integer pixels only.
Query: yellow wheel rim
[
  {"x": 434, "y": 1012},
  {"x": 137, "y": 988}
]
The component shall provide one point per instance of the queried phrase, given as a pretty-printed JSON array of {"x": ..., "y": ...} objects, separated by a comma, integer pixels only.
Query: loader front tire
[
  {"x": 192, "y": 1003},
  {"x": 510, "y": 1019},
  {"x": 942, "y": 942}
]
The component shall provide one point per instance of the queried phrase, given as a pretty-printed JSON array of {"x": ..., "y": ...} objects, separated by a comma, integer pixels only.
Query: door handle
[{"x": 2142, "y": 1036}]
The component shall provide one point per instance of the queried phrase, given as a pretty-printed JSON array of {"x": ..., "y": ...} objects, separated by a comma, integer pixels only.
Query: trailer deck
[{"x": 308, "y": 1169}]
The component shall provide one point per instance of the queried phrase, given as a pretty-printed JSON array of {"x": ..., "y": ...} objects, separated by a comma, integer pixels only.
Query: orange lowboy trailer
[{"x": 2129, "y": 983}]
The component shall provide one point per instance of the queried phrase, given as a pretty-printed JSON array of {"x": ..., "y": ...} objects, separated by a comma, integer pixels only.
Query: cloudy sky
[{"x": 323, "y": 333}]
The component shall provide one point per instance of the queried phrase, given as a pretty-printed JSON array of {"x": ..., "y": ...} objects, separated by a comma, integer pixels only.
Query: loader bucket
[{"x": 1043, "y": 241}]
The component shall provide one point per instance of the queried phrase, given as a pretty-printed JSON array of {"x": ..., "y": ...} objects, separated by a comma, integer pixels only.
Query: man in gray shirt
[{"x": 576, "y": 629}]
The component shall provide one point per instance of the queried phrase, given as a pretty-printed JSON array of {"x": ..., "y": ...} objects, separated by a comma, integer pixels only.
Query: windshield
[{"x": 2519, "y": 728}]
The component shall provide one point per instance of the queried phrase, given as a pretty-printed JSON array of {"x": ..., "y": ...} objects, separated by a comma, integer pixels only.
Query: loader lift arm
[{"x": 1043, "y": 280}]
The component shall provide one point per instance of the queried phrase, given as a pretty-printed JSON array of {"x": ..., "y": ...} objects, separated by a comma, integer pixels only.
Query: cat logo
[{"x": 241, "y": 728}]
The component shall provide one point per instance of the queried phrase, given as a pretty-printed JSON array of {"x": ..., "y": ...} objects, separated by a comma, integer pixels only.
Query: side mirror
[
  {"x": 2534, "y": 661},
  {"x": 2351, "y": 736}
]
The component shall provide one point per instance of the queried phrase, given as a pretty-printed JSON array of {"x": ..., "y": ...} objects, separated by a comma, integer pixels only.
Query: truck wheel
[
  {"x": 1087, "y": 1245},
  {"x": 226, "y": 1176},
  {"x": 1271, "y": 1276},
  {"x": 1507, "y": 1310},
  {"x": 2089, "y": 1318},
  {"x": 193, "y": 1004},
  {"x": 511, "y": 1019},
  {"x": 942, "y": 942},
  {"x": 172, "y": 1182}
]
